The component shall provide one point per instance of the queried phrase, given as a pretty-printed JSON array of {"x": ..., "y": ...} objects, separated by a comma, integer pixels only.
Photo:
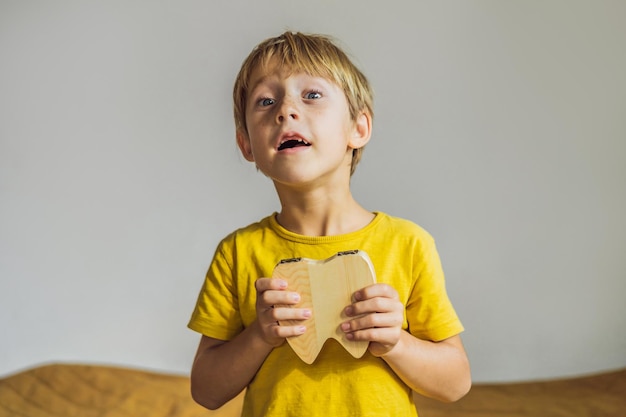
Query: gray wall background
[{"x": 500, "y": 127}]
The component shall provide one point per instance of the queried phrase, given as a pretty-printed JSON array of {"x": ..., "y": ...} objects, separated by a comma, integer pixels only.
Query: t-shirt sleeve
[
  {"x": 430, "y": 313},
  {"x": 217, "y": 309}
]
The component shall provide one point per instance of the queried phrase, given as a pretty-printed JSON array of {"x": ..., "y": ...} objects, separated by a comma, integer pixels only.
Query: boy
[{"x": 303, "y": 114}]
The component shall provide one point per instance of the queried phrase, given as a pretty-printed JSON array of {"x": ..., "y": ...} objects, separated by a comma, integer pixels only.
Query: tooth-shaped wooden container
[{"x": 326, "y": 288}]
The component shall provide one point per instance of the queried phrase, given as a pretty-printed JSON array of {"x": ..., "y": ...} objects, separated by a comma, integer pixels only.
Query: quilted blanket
[{"x": 64, "y": 390}]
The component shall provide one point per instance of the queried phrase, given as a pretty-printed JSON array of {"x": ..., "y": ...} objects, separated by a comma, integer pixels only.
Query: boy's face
[{"x": 299, "y": 129}]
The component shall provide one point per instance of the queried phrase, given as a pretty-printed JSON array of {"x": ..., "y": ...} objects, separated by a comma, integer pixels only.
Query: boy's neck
[{"x": 322, "y": 214}]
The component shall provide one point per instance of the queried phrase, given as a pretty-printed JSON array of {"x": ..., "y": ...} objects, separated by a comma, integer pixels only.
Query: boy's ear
[
  {"x": 362, "y": 131},
  {"x": 243, "y": 141}
]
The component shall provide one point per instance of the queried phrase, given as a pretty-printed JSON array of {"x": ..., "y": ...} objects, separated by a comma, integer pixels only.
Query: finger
[
  {"x": 272, "y": 291},
  {"x": 275, "y": 335},
  {"x": 266, "y": 284},
  {"x": 273, "y": 298},
  {"x": 382, "y": 335},
  {"x": 287, "y": 314},
  {"x": 374, "y": 305},
  {"x": 376, "y": 290},
  {"x": 373, "y": 320},
  {"x": 289, "y": 331}
]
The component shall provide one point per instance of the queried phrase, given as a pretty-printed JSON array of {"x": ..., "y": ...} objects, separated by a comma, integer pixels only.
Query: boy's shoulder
[
  {"x": 405, "y": 226},
  {"x": 258, "y": 227}
]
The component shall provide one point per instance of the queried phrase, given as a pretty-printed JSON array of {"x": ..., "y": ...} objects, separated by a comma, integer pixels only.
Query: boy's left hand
[{"x": 378, "y": 316}]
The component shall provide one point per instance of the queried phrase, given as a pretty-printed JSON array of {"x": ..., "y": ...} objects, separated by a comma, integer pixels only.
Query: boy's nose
[
  {"x": 287, "y": 110},
  {"x": 282, "y": 117}
]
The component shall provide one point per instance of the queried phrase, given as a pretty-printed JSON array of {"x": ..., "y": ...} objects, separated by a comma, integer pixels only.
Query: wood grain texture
[{"x": 326, "y": 288}]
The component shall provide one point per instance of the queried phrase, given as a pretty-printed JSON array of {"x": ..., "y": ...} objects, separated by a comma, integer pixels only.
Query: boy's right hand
[{"x": 273, "y": 303}]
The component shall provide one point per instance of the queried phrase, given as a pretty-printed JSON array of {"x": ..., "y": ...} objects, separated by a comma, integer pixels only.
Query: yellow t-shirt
[{"x": 336, "y": 384}]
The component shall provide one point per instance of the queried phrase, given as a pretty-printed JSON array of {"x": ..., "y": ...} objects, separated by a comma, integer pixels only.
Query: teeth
[{"x": 282, "y": 142}]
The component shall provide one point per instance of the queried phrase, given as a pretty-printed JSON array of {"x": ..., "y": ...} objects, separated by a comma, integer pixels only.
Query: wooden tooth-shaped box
[{"x": 326, "y": 288}]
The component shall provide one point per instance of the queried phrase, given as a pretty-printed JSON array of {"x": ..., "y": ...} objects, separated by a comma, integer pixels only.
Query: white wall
[{"x": 500, "y": 127}]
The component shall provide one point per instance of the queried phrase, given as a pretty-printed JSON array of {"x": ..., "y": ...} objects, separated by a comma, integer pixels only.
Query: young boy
[{"x": 303, "y": 114}]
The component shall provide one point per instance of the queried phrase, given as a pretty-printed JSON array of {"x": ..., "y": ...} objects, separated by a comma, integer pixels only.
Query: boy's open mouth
[{"x": 292, "y": 143}]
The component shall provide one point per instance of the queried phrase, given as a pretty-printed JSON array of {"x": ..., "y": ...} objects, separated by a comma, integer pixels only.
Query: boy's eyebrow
[
  {"x": 267, "y": 74},
  {"x": 258, "y": 81},
  {"x": 272, "y": 77}
]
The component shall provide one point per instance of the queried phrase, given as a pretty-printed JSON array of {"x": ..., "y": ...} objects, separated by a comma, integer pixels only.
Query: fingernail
[
  {"x": 348, "y": 310},
  {"x": 282, "y": 283},
  {"x": 345, "y": 326},
  {"x": 306, "y": 313},
  {"x": 301, "y": 329},
  {"x": 357, "y": 296},
  {"x": 295, "y": 296}
]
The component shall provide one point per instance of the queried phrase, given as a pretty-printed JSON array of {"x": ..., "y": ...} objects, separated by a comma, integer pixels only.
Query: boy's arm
[
  {"x": 222, "y": 369},
  {"x": 438, "y": 370}
]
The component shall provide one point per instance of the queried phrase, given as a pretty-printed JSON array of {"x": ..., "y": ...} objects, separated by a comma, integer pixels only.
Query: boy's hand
[
  {"x": 381, "y": 315},
  {"x": 270, "y": 293}
]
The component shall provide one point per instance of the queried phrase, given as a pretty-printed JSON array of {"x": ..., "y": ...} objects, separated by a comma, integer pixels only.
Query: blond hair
[{"x": 315, "y": 55}]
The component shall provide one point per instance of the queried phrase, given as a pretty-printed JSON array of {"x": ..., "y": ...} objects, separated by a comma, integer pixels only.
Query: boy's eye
[
  {"x": 266, "y": 101},
  {"x": 313, "y": 95}
]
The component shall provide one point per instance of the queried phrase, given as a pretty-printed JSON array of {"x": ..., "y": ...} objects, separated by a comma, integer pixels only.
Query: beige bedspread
[
  {"x": 602, "y": 395},
  {"x": 63, "y": 390}
]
